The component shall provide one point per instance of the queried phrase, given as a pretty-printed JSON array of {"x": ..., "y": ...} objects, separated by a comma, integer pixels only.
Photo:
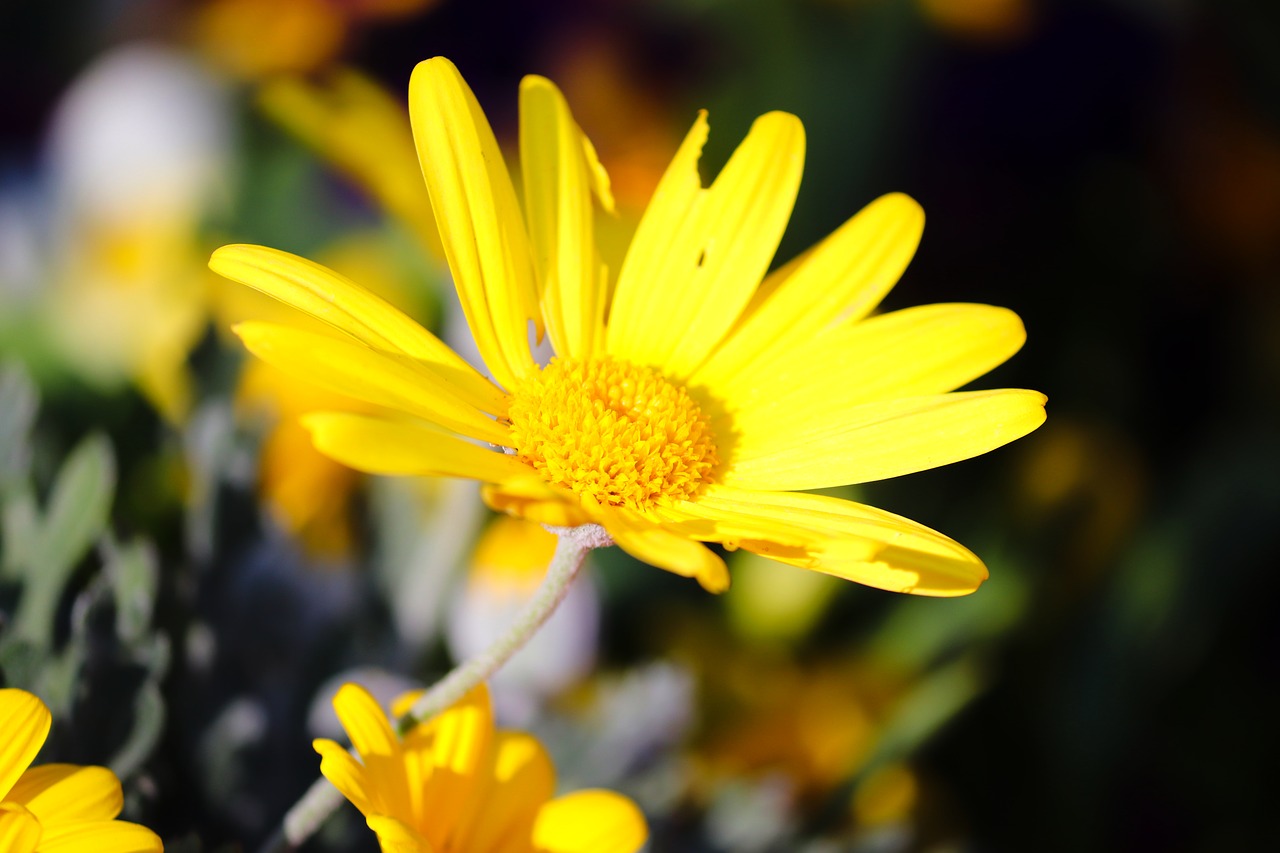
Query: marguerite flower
[
  {"x": 60, "y": 807},
  {"x": 690, "y": 400},
  {"x": 455, "y": 783}
]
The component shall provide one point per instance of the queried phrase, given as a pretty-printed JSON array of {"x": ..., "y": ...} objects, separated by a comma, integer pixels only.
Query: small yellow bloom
[
  {"x": 455, "y": 783},
  {"x": 690, "y": 400},
  {"x": 62, "y": 807}
]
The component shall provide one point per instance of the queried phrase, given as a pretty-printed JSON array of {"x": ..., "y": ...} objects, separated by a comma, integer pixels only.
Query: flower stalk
[{"x": 572, "y": 546}]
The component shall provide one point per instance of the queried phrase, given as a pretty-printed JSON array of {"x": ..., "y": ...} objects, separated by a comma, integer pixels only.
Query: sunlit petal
[
  {"x": 481, "y": 227},
  {"x": 590, "y": 821},
  {"x": 68, "y": 793},
  {"x": 378, "y": 446},
  {"x": 25, "y": 722},
  {"x": 884, "y": 439},
  {"x": 698, "y": 255}
]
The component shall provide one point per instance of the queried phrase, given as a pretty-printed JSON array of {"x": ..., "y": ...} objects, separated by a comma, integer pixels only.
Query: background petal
[
  {"x": 68, "y": 793},
  {"x": 590, "y": 821},
  {"x": 100, "y": 837},
  {"x": 25, "y": 721}
]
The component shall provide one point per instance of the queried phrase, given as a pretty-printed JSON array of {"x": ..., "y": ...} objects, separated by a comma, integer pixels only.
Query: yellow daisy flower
[
  {"x": 62, "y": 807},
  {"x": 455, "y": 783},
  {"x": 689, "y": 401}
]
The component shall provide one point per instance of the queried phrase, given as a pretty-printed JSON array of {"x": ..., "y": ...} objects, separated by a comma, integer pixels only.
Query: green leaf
[
  {"x": 76, "y": 516},
  {"x": 148, "y": 725},
  {"x": 930, "y": 705},
  {"x": 20, "y": 663},
  {"x": 19, "y": 401},
  {"x": 134, "y": 576},
  {"x": 20, "y": 531},
  {"x": 78, "y": 505}
]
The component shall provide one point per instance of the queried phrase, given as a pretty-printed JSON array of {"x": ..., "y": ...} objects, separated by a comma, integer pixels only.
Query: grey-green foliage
[{"x": 42, "y": 547}]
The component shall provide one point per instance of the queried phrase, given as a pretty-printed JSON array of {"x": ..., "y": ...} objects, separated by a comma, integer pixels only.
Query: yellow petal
[
  {"x": 457, "y": 747},
  {"x": 340, "y": 302},
  {"x": 114, "y": 836},
  {"x": 378, "y": 446},
  {"x": 388, "y": 778},
  {"x": 363, "y": 131},
  {"x": 405, "y": 702},
  {"x": 649, "y": 543},
  {"x": 925, "y": 350},
  {"x": 364, "y": 721},
  {"x": 533, "y": 499},
  {"x": 698, "y": 255},
  {"x": 395, "y": 837},
  {"x": 480, "y": 224},
  {"x": 68, "y": 793},
  {"x": 590, "y": 821},
  {"x": 384, "y": 379},
  {"x": 348, "y": 776},
  {"x": 25, "y": 721},
  {"x": 844, "y": 276},
  {"x": 841, "y": 538},
  {"x": 523, "y": 780},
  {"x": 556, "y": 164},
  {"x": 19, "y": 830},
  {"x": 883, "y": 439}
]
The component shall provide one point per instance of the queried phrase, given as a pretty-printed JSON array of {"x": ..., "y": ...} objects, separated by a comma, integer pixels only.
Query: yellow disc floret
[{"x": 619, "y": 433}]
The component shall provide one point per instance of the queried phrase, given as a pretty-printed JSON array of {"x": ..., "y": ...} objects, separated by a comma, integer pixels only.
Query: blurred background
[{"x": 186, "y": 583}]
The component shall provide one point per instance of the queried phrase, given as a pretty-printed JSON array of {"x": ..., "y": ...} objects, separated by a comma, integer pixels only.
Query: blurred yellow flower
[
  {"x": 813, "y": 725},
  {"x": 255, "y": 38},
  {"x": 689, "y": 402},
  {"x": 139, "y": 148},
  {"x": 455, "y": 783},
  {"x": 358, "y": 127},
  {"x": 308, "y": 493},
  {"x": 887, "y": 795},
  {"x": 980, "y": 19},
  {"x": 62, "y": 807}
]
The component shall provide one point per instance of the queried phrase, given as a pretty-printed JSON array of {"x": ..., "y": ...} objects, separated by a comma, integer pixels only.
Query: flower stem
[
  {"x": 572, "y": 546},
  {"x": 566, "y": 562}
]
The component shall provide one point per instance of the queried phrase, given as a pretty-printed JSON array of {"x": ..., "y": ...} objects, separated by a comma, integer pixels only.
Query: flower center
[{"x": 609, "y": 429}]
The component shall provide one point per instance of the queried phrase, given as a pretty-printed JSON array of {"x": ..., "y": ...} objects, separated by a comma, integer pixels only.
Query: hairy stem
[{"x": 572, "y": 546}]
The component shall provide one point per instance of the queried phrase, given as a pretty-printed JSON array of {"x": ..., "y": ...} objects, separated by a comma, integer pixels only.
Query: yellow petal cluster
[
  {"x": 56, "y": 807},
  {"x": 455, "y": 783},
  {"x": 746, "y": 386}
]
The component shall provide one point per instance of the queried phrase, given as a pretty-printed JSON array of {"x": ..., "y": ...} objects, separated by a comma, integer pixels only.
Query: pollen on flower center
[{"x": 619, "y": 433}]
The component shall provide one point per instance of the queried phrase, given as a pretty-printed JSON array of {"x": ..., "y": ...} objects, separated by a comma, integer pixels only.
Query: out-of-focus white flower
[
  {"x": 142, "y": 133},
  {"x": 509, "y": 563},
  {"x": 139, "y": 150},
  {"x": 424, "y": 528}
]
